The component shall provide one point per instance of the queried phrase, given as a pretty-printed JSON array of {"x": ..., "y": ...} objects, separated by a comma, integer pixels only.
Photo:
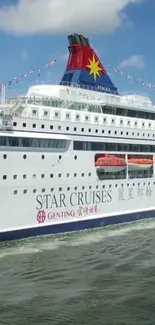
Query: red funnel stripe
[{"x": 79, "y": 58}]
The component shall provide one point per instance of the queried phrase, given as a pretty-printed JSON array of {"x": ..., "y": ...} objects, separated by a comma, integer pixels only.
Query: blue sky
[{"x": 127, "y": 41}]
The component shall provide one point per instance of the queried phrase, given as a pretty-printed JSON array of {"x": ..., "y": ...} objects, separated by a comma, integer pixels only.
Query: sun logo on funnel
[{"x": 94, "y": 68}]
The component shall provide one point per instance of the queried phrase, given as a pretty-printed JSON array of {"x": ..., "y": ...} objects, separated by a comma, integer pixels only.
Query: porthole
[
  {"x": 24, "y": 125},
  {"x": 60, "y": 157},
  {"x": 51, "y": 127},
  {"x": 59, "y": 175},
  {"x": 4, "y": 156},
  {"x": 75, "y": 157},
  {"x": 67, "y": 128},
  {"x": 4, "y": 176},
  {"x": 51, "y": 175},
  {"x": 52, "y": 189},
  {"x": 60, "y": 189},
  {"x": 42, "y": 126},
  {"x": 89, "y": 130},
  {"x": 82, "y": 174},
  {"x": 14, "y": 176},
  {"x": 24, "y": 176},
  {"x": 68, "y": 188},
  {"x": 15, "y": 192},
  {"x": 75, "y": 188},
  {"x": 83, "y": 187},
  {"x": 24, "y": 156},
  {"x": 82, "y": 130},
  {"x": 34, "y": 126},
  {"x": 75, "y": 129},
  {"x": 75, "y": 175},
  {"x": 96, "y": 131},
  {"x": 59, "y": 127},
  {"x": 24, "y": 191},
  {"x": 43, "y": 157},
  {"x": 14, "y": 123},
  {"x": 34, "y": 190},
  {"x": 43, "y": 190},
  {"x": 42, "y": 175}
]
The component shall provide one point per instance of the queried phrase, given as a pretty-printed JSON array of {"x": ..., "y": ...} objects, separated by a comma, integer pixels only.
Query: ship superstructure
[{"x": 77, "y": 155}]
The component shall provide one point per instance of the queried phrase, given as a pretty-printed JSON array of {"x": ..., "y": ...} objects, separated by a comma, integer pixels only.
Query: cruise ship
[{"x": 77, "y": 155}]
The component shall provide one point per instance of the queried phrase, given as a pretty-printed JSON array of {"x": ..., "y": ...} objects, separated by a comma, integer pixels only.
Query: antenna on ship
[
  {"x": 84, "y": 67},
  {"x": 3, "y": 94}
]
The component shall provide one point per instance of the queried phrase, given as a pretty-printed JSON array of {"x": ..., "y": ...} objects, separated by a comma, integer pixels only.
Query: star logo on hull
[{"x": 94, "y": 68}]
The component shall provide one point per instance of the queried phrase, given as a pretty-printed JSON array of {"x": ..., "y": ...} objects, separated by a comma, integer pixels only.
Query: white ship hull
[{"x": 69, "y": 201}]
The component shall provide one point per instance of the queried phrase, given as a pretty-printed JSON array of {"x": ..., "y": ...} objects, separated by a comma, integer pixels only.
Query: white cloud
[
  {"x": 135, "y": 61},
  {"x": 29, "y": 17},
  {"x": 24, "y": 55}
]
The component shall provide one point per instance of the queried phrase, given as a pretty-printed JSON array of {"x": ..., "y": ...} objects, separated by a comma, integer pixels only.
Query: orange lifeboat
[
  {"x": 110, "y": 163},
  {"x": 139, "y": 163}
]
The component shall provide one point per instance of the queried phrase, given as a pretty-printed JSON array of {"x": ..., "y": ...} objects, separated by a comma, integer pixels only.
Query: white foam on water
[{"x": 38, "y": 245}]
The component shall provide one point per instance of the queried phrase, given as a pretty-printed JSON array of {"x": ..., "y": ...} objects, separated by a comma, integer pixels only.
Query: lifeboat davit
[
  {"x": 139, "y": 164},
  {"x": 110, "y": 164}
]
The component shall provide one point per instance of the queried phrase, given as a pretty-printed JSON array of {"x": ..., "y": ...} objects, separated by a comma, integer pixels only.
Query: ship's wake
[{"x": 38, "y": 245}]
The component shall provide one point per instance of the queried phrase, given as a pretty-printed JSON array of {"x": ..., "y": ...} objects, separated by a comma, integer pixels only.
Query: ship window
[
  {"x": 42, "y": 175},
  {"x": 24, "y": 125},
  {"x": 43, "y": 190},
  {"x": 13, "y": 141},
  {"x": 32, "y": 143},
  {"x": 15, "y": 192},
  {"x": 68, "y": 188},
  {"x": 89, "y": 130},
  {"x": 102, "y": 131},
  {"x": 75, "y": 175},
  {"x": 82, "y": 130},
  {"x": 24, "y": 191},
  {"x": 60, "y": 189},
  {"x": 34, "y": 175},
  {"x": 14, "y": 123},
  {"x": 102, "y": 146},
  {"x": 51, "y": 175},
  {"x": 15, "y": 176},
  {"x": 82, "y": 174},
  {"x": 67, "y": 128},
  {"x": 67, "y": 116},
  {"x": 34, "y": 190},
  {"x": 51, "y": 127},
  {"x": 24, "y": 176},
  {"x": 4, "y": 176},
  {"x": 4, "y": 156},
  {"x": 34, "y": 112},
  {"x": 75, "y": 129},
  {"x": 96, "y": 131},
  {"x": 59, "y": 175},
  {"x": 56, "y": 114},
  {"x": 67, "y": 175},
  {"x": 24, "y": 156},
  {"x": 42, "y": 157},
  {"x": 42, "y": 126},
  {"x": 34, "y": 125},
  {"x": 45, "y": 113}
]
